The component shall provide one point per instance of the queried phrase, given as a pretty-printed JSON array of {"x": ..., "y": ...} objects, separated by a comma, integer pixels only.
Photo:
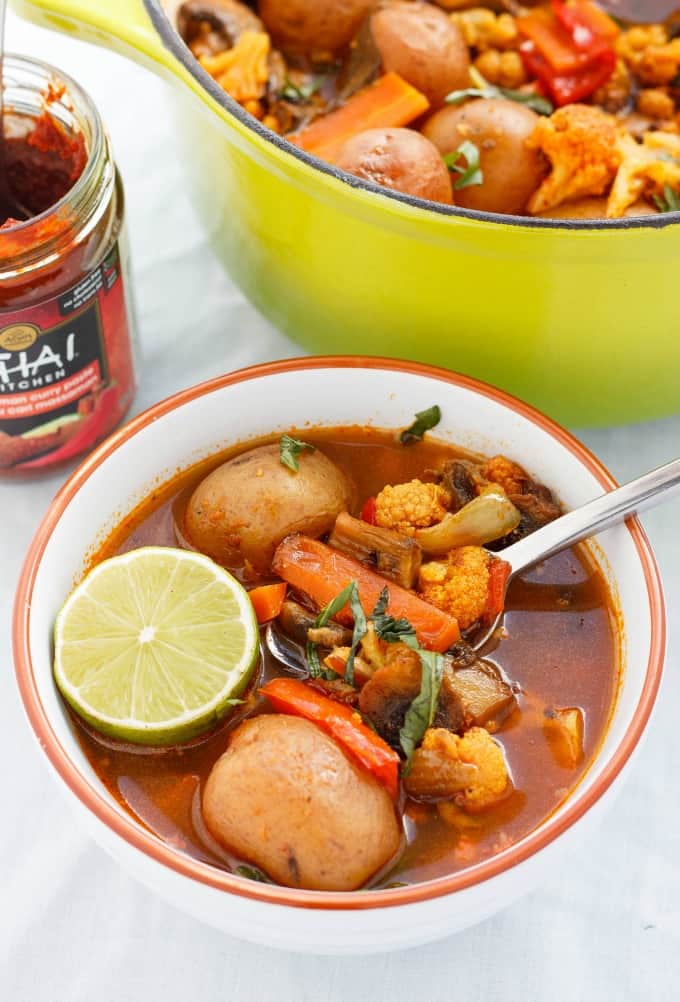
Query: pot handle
[{"x": 122, "y": 25}]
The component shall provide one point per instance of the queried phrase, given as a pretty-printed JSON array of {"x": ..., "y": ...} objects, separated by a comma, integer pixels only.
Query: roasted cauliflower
[
  {"x": 647, "y": 168},
  {"x": 460, "y": 585},
  {"x": 648, "y": 52},
  {"x": 410, "y": 506},
  {"x": 445, "y": 754},
  {"x": 581, "y": 143},
  {"x": 508, "y": 475}
]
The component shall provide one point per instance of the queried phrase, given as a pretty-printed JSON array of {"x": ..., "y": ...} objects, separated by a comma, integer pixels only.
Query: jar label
[{"x": 66, "y": 370}]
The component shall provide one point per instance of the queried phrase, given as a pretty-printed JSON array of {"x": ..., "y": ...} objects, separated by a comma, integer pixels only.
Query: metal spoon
[
  {"x": 604, "y": 512},
  {"x": 286, "y": 651},
  {"x": 10, "y": 208}
]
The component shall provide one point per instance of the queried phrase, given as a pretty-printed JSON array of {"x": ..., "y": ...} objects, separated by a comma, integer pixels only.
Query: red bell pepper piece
[
  {"x": 565, "y": 88},
  {"x": 288, "y": 695},
  {"x": 368, "y": 512},
  {"x": 586, "y": 23},
  {"x": 499, "y": 572},
  {"x": 552, "y": 41}
]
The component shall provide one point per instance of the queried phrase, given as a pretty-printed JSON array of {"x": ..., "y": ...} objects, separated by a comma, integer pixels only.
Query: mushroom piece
[
  {"x": 242, "y": 510},
  {"x": 211, "y": 26}
]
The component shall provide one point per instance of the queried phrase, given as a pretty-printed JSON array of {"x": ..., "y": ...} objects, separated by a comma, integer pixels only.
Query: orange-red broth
[{"x": 562, "y": 649}]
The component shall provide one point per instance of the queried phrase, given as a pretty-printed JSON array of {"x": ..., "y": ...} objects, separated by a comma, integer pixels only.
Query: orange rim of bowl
[{"x": 148, "y": 843}]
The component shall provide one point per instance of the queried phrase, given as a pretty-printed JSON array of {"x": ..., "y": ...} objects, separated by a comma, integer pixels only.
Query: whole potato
[
  {"x": 313, "y": 27},
  {"x": 594, "y": 208},
  {"x": 242, "y": 510},
  {"x": 421, "y": 44},
  {"x": 499, "y": 129},
  {"x": 400, "y": 159},
  {"x": 285, "y": 797}
]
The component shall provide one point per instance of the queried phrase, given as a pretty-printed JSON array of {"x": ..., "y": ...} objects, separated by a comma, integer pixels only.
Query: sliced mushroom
[{"x": 396, "y": 556}]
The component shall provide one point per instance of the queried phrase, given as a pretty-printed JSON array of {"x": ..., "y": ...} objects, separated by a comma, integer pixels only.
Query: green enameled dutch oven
[{"x": 582, "y": 318}]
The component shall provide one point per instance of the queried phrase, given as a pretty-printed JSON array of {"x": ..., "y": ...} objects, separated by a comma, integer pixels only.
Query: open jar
[{"x": 67, "y": 326}]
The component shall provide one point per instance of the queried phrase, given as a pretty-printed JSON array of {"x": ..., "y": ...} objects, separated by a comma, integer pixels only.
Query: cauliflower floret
[
  {"x": 508, "y": 475},
  {"x": 459, "y": 586},
  {"x": 243, "y": 70},
  {"x": 646, "y": 169},
  {"x": 650, "y": 55},
  {"x": 410, "y": 506},
  {"x": 581, "y": 143},
  {"x": 476, "y": 747}
]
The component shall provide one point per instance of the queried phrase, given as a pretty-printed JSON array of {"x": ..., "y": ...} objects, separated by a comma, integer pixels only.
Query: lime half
[{"x": 155, "y": 645}]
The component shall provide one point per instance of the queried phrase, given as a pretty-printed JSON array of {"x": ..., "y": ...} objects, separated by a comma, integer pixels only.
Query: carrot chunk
[
  {"x": 267, "y": 601},
  {"x": 389, "y": 102},
  {"x": 323, "y": 572}
]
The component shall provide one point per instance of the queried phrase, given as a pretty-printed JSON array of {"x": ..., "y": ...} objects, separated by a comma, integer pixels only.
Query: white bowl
[{"x": 328, "y": 391}]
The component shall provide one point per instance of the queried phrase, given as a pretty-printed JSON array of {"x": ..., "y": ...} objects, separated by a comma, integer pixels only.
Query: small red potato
[
  {"x": 242, "y": 510},
  {"x": 285, "y": 797},
  {"x": 313, "y": 27},
  {"x": 499, "y": 129},
  {"x": 400, "y": 159},
  {"x": 421, "y": 44}
]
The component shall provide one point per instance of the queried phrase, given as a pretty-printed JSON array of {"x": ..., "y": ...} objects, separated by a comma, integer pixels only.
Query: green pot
[{"x": 581, "y": 318}]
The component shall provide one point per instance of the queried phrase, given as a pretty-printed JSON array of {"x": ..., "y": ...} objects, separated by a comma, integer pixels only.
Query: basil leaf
[
  {"x": 300, "y": 92},
  {"x": 425, "y": 420},
  {"x": 470, "y": 175},
  {"x": 422, "y": 710},
  {"x": 388, "y": 628},
  {"x": 332, "y": 609},
  {"x": 252, "y": 873},
  {"x": 669, "y": 202},
  {"x": 360, "y": 628},
  {"x": 541, "y": 105},
  {"x": 290, "y": 449}
]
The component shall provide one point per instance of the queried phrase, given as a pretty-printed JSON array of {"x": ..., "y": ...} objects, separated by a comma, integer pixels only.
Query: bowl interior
[{"x": 315, "y": 393}]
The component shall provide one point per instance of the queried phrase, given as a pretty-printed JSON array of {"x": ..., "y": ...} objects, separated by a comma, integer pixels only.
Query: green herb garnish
[
  {"x": 252, "y": 873},
  {"x": 290, "y": 449},
  {"x": 388, "y": 628},
  {"x": 359, "y": 632},
  {"x": 425, "y": 420},
  {"x": 669, "y": 201},
  {"x": 541, "y": 105},
  {"x": 422, "y": 710},
  {"x": 472, "y": 173},
  {"x": 299, "y": 93},
  {"x": 333, "y": 607}
]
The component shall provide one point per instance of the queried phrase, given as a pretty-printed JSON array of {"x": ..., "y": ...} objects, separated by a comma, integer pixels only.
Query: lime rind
[{"x": 204, "y": 645}]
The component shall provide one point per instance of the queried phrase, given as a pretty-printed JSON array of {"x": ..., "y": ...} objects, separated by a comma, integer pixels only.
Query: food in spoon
[
  {"x": 395, "y": 744},
  {"x": 532, "y": 108}
]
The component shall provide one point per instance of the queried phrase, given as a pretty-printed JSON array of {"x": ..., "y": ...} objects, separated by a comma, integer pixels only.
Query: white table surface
[{"x": 75, "y": 928}]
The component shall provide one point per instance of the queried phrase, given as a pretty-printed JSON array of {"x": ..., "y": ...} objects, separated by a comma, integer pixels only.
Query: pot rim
[
  {"x": 172, "y": 41},
  {"x": 150, "y": 845}
]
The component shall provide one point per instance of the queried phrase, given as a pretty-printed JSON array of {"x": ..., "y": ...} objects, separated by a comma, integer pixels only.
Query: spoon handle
[{"x": 595, "y": 516}]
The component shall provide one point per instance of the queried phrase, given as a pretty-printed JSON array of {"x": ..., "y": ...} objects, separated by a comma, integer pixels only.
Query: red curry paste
[{"x": 66, "y": 361}]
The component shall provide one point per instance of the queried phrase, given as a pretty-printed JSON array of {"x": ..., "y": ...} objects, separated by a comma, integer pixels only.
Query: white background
[{"x": 74, "y": 928}]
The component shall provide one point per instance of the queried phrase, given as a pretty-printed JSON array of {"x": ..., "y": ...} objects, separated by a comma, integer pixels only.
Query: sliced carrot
[
  {"x": 288, "y": 695},
  {"x": 387, "y": 103},
  {"x": 267, "y": 601},
  {"x": 323, "y": 572}
]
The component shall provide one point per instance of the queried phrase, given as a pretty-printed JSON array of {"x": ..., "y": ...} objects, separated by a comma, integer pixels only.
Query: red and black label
[{"x": 66, "y": 370}]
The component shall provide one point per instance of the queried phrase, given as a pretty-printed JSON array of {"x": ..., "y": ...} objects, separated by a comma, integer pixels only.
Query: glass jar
[{"x": 67, "y": 325}]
